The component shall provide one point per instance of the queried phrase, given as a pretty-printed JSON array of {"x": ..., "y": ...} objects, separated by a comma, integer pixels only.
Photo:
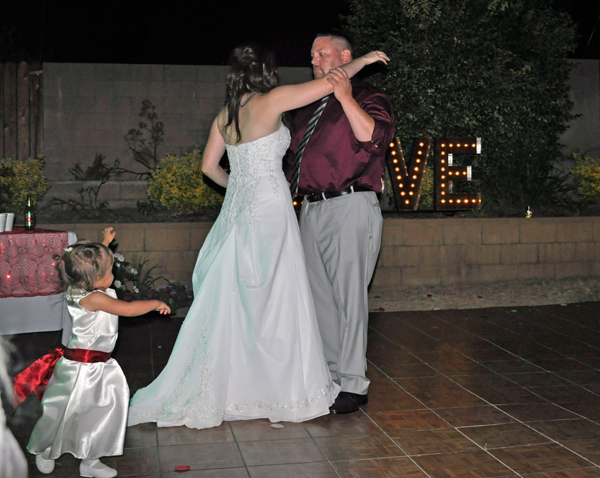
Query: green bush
[
  {"x": 586, "y": 177},
  {"x": 20, "y": 178},
  {"x": 177, "y": 183},
  {"x": 495, "y": 69}
]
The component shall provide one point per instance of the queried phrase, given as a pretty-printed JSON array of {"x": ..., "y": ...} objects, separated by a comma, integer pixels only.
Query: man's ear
[{"x": 346, "y": 56}]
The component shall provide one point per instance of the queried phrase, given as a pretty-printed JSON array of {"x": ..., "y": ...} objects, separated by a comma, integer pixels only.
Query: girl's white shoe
[
  {"x": 96, "y": 469},
  {"x": 44, "y": 463}
]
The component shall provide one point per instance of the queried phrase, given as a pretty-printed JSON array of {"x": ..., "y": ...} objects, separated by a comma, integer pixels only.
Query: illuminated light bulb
[
  {"x": 458, "y": 145},
  {"x": 414, "y": 177},
  {"x": 443, "y": 152},
  {"x": 443, "y": 185},
  {"x": 443, "y": 145},
  {"x": 451, "y": 200},
  {"x": 411, "y": 193},
  {"x": 401, "y": 185},
  {"x": 402, "y": 193},
  {"x": 443, "y": 177},
  {"x": 395, "y": 160},
  {"x": 295, "y": 203},
  {"x": 473, "y": 145},
  {"x": 393, "y": 153},
  {"x": 449, "y": 172},
  {"x": 391, "y": 145},
  {"x": 420, "y": 152},
  {"x": 473, "y": 200},
  {"x": 398, "y": 178},
  {"x": 412, "y": 185},
  {"x": 418, "y": 160},
  {"x": 443, "y": 201},
  {"x": 443, "y": 169},
  {"x": 464, "y": 172},
  {"x": 407, "y": 201},
  {"x": 397, "y": 169},
  {"x": 416, "y": 168},
  {"x": 451, "y": 145},
  {"x": 443, "y": 192},
  {"x": 421, "y": 144},
  {"x": 458, "y": 200},
  {"x": 443, "y": 161}
]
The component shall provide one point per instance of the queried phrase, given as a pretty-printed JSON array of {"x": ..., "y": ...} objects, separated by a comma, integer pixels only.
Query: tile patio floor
[{"x": 455, "y": 393}]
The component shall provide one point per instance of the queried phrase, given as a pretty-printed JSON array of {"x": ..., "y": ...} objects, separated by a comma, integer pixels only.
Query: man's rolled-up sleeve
[{"x": 379, "y": 108}]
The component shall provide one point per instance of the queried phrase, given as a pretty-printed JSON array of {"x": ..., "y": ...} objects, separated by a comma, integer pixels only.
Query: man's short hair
[{"x": 341, "y": 39}]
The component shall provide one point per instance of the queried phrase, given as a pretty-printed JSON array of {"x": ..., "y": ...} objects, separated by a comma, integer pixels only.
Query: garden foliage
[
  {"x": 494, "y": 69},
  {"x": 586, "y": 177},
  {"x": 177, "y": 183},
  {"x": 20, "y": 178}
]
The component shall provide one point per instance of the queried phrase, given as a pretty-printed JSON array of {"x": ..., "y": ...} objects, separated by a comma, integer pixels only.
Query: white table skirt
[{"x": 20, "y": 315}]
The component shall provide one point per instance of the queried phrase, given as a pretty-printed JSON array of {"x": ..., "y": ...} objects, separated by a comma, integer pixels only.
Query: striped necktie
[{"x": 300, "y": 151}]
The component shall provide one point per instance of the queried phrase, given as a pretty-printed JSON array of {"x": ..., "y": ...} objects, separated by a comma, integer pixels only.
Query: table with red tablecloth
[{"x": 31, "y": 298}]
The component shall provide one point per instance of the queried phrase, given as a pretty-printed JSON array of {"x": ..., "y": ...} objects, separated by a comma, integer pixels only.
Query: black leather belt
[{"x": 316, "y": 197}]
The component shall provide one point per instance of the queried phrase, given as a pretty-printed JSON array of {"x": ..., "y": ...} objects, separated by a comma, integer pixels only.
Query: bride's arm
[
  {"x": 215, "y": 148},
  {"x": 290, "y": 97}
]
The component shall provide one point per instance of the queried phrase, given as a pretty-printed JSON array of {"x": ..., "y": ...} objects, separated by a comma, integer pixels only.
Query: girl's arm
[
  {"x": 215, "y": 148},
  {"x": 108, "y": 235},
  {"x": 290, "y": 97},
  {"x": 99, "y": 301}
]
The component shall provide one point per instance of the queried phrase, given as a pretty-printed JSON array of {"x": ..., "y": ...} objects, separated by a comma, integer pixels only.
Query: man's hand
[
  {"x": 108, "y": 235},
  {"x": 342, "y": 88},
  {"x": 375, "y": 56}
]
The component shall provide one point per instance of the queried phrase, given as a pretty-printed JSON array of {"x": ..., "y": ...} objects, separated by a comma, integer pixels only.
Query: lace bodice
[{"x": 250, "y": 164}]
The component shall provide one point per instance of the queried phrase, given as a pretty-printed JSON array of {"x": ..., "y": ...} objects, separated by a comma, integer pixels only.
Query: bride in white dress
[{"x": 250, "y": 344}]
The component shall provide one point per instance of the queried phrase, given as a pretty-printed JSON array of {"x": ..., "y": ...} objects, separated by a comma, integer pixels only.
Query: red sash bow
[{"x": 35, "y": 378}]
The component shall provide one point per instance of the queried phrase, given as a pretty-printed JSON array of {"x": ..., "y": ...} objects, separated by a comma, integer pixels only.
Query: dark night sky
[{"x": 200, "y": 32}]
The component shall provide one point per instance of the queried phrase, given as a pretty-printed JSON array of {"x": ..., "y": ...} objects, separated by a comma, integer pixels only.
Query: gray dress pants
[{"x": 341, "y": 239}]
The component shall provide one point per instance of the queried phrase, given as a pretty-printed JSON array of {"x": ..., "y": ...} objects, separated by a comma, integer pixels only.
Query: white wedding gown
[{"x": 250, "y": 345}]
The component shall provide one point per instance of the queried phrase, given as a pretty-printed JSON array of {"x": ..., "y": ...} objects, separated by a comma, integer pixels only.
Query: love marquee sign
[{"x": 408, "y": 179}]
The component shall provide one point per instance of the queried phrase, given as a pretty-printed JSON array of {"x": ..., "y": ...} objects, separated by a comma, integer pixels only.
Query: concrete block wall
[
  {"x": 414, "y": 252},
  {"x": 88, "y": 108},
  {"x": 461, "y": 251}
]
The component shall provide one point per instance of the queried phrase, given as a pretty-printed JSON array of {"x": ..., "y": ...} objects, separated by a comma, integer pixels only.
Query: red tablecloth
[{"x": 26, "y": 264}]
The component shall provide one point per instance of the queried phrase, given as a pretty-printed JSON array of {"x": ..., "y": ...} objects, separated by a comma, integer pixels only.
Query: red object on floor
[{"x": 182, "y": 468}]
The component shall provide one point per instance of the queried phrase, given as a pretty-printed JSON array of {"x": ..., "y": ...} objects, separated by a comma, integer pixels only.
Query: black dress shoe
[{"x": 347, "y": 402}]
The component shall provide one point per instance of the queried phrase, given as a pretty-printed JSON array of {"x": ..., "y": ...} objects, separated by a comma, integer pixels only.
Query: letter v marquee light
[{"x": 407, "y": 180}]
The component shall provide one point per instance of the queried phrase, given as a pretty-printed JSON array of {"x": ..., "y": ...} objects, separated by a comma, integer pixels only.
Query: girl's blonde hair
[{"x": 82, "y": 264}]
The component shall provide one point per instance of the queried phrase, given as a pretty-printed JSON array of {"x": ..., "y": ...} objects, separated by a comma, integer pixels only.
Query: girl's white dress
[
  {"x": 85, "y": 404},
  {"x": 250, "y": 345}
]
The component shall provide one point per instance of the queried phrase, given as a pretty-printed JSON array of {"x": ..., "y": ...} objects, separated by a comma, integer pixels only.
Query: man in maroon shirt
[{"x": 340, "y": 222}]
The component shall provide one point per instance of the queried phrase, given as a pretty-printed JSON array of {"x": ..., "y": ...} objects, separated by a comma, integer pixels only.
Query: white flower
[
  {"x": 118, "y": 265},
  {"x": 133, "y": 271},
  {"x": 136, "y": 290},
  {"x": 69, "y": 249},
  {"x": 119, "y": 257},
  {"x": 118, "y": 284}
]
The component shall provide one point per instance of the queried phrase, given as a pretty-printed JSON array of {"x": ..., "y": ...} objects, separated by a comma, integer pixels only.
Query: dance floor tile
[
  {"x": 492, "y": 354},
  {"x": 537, "y": 412},
  {"x": 304, "y": 470},
  {"x": 539, "y": 458},
  {"x": 142, "y": 435},
  {"x": 512, "y": 366},
  {"x": 439, "y": 393},
  {"x": 219, "y": 473},
  {"x": 134, "y": 462},
  {"x": 532, "y": 380},
  {"x": 589, "y": 449},
  {"x": 568, "y": 430},
  {"x": 469, "y": 464},
  {"x": 499, "y": 436},
  {"x": 248, "y": 430},
  {"x": 563, "y": 364},
  {"x": 581, "y": 377},
  {"x": 171, "y": 436},
  {"x": 578, "y": 473},
  {"x": 589, "y": 410},
  {"x": 279, "y": 452},
  {"x": 357, "y": 448},
  {"x": 339, "y": 425},
  {"x": 200, "y": 456},
  {"x": 508, "y": 395},
  {"x": 426, "y": 442},
  {"x": 473, "y": 416},
  {"x": 385, "y": 395},
  {"x": 566, "y": 394},
  {"x": 383, "y": 468},
  {"x": 394, "y": 422}
]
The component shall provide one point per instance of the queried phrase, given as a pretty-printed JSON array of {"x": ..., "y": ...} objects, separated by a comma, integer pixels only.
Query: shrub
[
  {"x": 494, "y": 69},
  {"x": 20, "y": 178},
  {"x": 177, "y": 183},
  {"x": 586, "y": 177}
]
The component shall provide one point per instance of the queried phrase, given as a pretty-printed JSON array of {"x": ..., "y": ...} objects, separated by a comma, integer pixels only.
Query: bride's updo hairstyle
[{"x": 253, "y": 70}]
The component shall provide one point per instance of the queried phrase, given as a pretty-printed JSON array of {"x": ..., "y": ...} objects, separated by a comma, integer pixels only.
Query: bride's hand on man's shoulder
[{"x": 375, "y": 56}]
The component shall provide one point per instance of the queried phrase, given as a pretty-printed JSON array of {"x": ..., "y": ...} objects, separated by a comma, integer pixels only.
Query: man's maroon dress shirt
[{"x": 334, "y": 159}]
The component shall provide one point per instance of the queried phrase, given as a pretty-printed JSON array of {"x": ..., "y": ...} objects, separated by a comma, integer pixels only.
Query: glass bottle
[{"x": 29, "y": 215}]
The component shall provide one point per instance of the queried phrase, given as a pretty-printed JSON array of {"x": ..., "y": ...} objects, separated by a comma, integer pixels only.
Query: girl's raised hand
[
  {"x": 108, "y": 235},
  {"x": 163, "y": 308}
]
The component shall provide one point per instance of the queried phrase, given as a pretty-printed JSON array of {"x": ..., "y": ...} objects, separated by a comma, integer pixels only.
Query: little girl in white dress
[{"x": 85, "y": 403}]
